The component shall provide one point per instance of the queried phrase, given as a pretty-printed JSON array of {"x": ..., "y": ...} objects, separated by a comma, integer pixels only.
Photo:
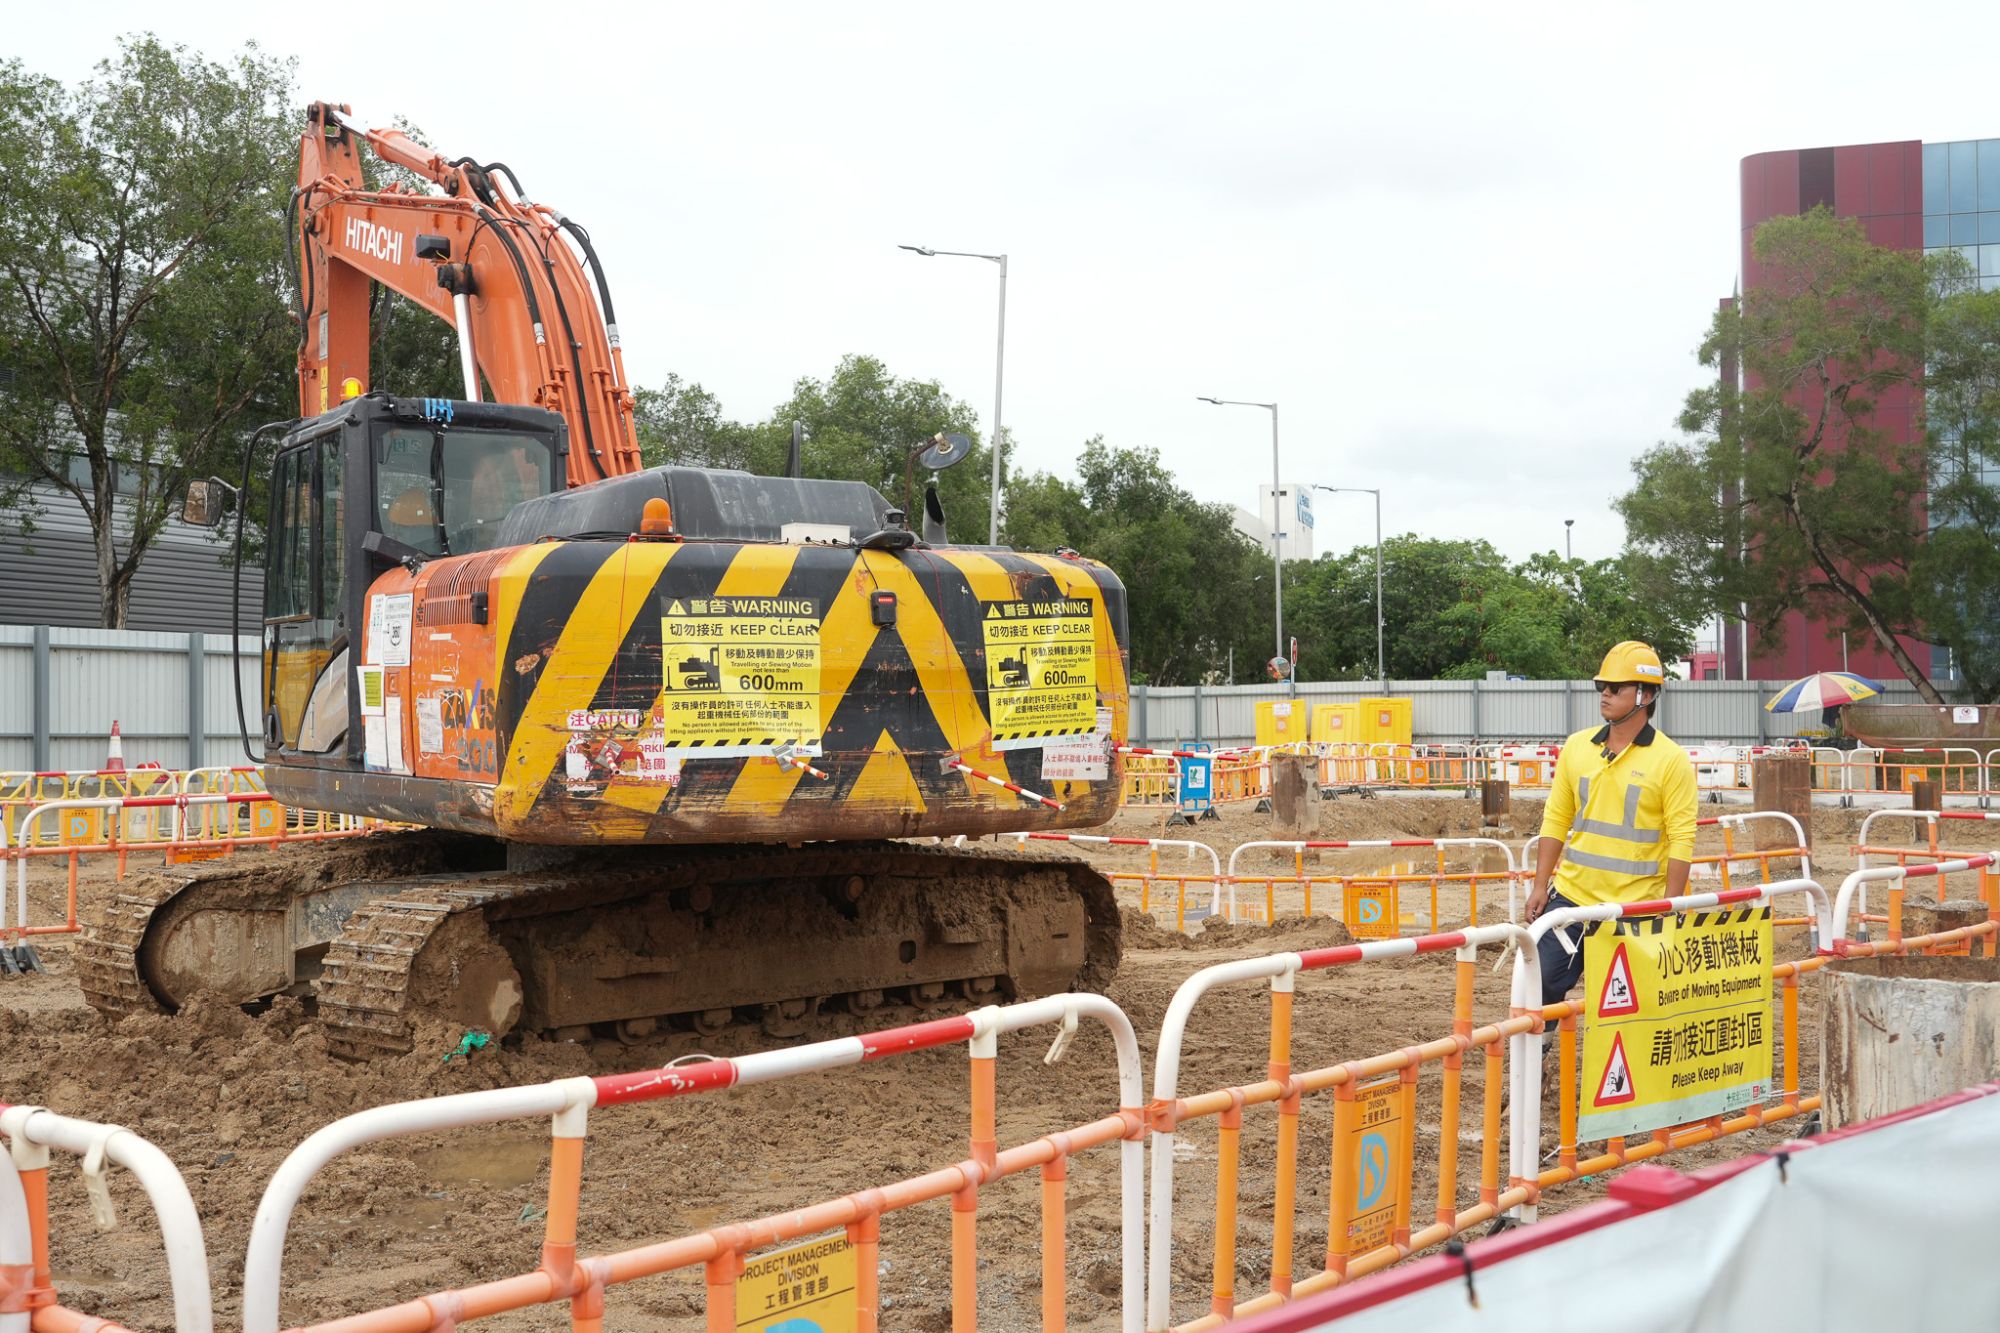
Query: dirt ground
[{"x": 227, "y": 1096}]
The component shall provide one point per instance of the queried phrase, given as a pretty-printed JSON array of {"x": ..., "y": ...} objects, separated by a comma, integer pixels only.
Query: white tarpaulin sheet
[{"x": 1890, "y": 1228}]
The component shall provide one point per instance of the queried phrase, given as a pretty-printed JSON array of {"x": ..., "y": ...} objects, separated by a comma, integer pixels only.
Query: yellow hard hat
[{"x": 1632, "y": 661}]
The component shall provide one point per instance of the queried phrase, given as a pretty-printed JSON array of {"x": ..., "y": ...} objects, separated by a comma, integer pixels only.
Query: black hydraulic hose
[
  {"x": 301, "y": 273},
  {"x": 236, "y": 584},
  {"x": 508, "y": 172},
  {"x": 569, "y": 336},
  {"x": 534, "y": 306},
  {"x": 596, "y": 269}
]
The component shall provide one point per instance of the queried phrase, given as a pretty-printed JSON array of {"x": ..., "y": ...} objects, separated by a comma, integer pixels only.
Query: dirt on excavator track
[{"x": 400, "y": 931}]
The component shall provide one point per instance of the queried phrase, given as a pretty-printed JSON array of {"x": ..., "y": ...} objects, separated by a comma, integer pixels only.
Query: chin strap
[{"x": 1630, "y": 713}]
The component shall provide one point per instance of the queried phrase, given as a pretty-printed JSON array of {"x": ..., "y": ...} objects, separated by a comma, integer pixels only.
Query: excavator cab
[{"x": 376, "y": 483}]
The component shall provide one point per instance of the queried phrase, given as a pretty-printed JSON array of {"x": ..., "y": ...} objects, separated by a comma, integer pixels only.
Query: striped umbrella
[{"x": 1822, "y": 689}]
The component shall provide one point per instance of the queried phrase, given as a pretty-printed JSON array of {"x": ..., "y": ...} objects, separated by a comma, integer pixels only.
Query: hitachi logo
[{"x": 381, "y": 242}]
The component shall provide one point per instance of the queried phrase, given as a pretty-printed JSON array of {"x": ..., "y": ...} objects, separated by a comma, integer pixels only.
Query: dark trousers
[{"x": 1561, "y": 969}]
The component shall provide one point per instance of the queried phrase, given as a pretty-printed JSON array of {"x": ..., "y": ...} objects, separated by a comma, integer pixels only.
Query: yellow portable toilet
[
  {"x": 1281, "y": 722},
  {"x": 1335, "y": 724},
  {"x": 1386, "y": 720}
]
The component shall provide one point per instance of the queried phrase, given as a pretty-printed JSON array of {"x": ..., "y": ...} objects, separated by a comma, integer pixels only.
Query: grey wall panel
[
  {"x": 141, "y": 679},
  {"x": 49, "y": 576},
  {"x": 17, "y": 697},
  {"x": 1714, "y": 712}
]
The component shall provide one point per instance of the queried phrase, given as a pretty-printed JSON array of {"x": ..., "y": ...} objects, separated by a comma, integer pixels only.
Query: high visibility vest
[{"x": 1621, "y": 821}]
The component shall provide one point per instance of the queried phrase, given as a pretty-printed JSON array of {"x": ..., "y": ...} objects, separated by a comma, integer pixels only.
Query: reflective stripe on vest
[
  {"x": 1629, "y": 831},
  {"x": 1615, "y": 864}
]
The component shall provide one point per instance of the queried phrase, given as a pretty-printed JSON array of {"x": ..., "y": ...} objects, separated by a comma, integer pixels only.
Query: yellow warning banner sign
[
  {"x": 1372, "y": 1151},
  {"x": 740, "y": 675},
  {"x": 1678, "y": 1024},
  {"x": 806, "y": 1288},
  {"x": 1041, "y": 670}
]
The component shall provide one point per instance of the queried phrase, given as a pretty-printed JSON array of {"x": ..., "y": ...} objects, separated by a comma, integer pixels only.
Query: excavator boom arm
[{"x": 540, "y": 335}]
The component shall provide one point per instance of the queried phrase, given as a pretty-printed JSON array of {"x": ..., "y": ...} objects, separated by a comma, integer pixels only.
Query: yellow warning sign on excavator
[
  {"x": 1041, "y": 671},
  {"x": 741, "y": 675}
]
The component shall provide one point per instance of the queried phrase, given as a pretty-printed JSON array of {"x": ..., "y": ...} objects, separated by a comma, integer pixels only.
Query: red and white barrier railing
[
  {"x": 1299, "y": 847},
  {"x": 569, "y": 1101},
  {"x": 1854, "y": 892},
  {"x": 31, "y": 1131},
  {"x": 1168, "y": 1110},
  {"x": 1214, "y": 878}
]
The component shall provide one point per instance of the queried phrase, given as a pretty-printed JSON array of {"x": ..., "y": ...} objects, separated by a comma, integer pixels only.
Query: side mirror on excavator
[{"x": 206, "y": 502}]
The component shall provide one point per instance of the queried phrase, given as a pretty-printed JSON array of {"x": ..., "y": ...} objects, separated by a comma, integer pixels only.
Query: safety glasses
[{"x": 1612, "y": 686}]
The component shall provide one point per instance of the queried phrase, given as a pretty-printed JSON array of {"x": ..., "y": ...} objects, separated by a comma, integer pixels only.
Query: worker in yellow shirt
[{"x": 1620, "y": 816}]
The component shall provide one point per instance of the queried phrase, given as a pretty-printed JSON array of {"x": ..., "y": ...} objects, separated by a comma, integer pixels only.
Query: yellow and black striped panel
[{"x": 579, "y": 634}]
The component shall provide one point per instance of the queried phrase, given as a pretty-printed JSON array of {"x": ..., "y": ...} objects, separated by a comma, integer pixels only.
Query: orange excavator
[{"x": 682, "y": 746}]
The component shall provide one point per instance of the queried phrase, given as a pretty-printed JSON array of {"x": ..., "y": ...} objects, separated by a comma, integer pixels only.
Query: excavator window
[
  {"x": 444, "y": 492},
  {"x": 305, "y": 584},
  {"x": 487, "y": 473},
  {"x": 405, "y": 487}
]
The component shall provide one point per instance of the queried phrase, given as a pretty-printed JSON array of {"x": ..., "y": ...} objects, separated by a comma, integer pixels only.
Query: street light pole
[
  {"x": 1380, "y": 674},
  {"x": 1277, "y": 545},
  {"x": 999, "y": 375}
]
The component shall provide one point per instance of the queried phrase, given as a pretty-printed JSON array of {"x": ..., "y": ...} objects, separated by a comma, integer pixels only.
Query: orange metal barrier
[
  {"x": 1987, "y": 885},
  {"x": 1388, "y": 921},
  {"x": 232, "y": 820},
  {"x": 1527, "y": 766},
  {"x": 1961, "y": 773},
  {"x": 1152, "y": 876},
  {"x": 721, "y": 1250},
  {"x": 1386, "y": 1084}
]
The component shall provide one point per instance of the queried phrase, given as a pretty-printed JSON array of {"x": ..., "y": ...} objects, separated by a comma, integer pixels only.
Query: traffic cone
[{"x": 115, "y": 761}]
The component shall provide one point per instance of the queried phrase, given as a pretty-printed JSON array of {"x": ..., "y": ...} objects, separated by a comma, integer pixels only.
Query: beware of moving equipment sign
[
  {"x": 741, "y": 675},
  {"x": 1041, "y": 670},
  {"x": 806, "y": 1288},
  {"x": 1679, "y": 1020}
]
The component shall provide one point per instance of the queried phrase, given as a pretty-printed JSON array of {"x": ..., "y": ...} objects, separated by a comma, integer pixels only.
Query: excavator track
[
  {"x": 619, "y": 942},
  {"x": 364, "y": 994},
  {"x": 107, "y": 966},
  {"x": 129, "y": 962}
]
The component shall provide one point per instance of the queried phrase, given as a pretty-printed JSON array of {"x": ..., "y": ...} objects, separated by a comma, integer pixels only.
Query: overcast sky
[{"x": 1469, "y": 249}]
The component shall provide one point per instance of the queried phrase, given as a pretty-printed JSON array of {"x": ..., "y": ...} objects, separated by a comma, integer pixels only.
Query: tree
[
  {"x": 1456, "y": 610},
  {"x": 1190, "y": 577},
  {"x": 860, "y": 423},
  {"x": 145, "y": 324},
  {"x": 681, "y": 422},
  {"x": 1822, "y": 507},
  {"x": 1956, "y": 578}
]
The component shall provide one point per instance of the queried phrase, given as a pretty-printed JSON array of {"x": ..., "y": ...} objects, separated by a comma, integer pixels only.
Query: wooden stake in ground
[
  {"x": 1781, "y": 781},
  {"x": 1294, "y": 796}
]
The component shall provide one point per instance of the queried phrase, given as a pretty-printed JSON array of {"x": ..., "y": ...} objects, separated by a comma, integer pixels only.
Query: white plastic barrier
[
  {"x": 31, "y": 1131},
  {"x": 1282, "y": 970},
  {"x": 17, "y": 1246},
  {"x": 1854, "y": 889},
  {"x": 569, "y": 1102}
]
